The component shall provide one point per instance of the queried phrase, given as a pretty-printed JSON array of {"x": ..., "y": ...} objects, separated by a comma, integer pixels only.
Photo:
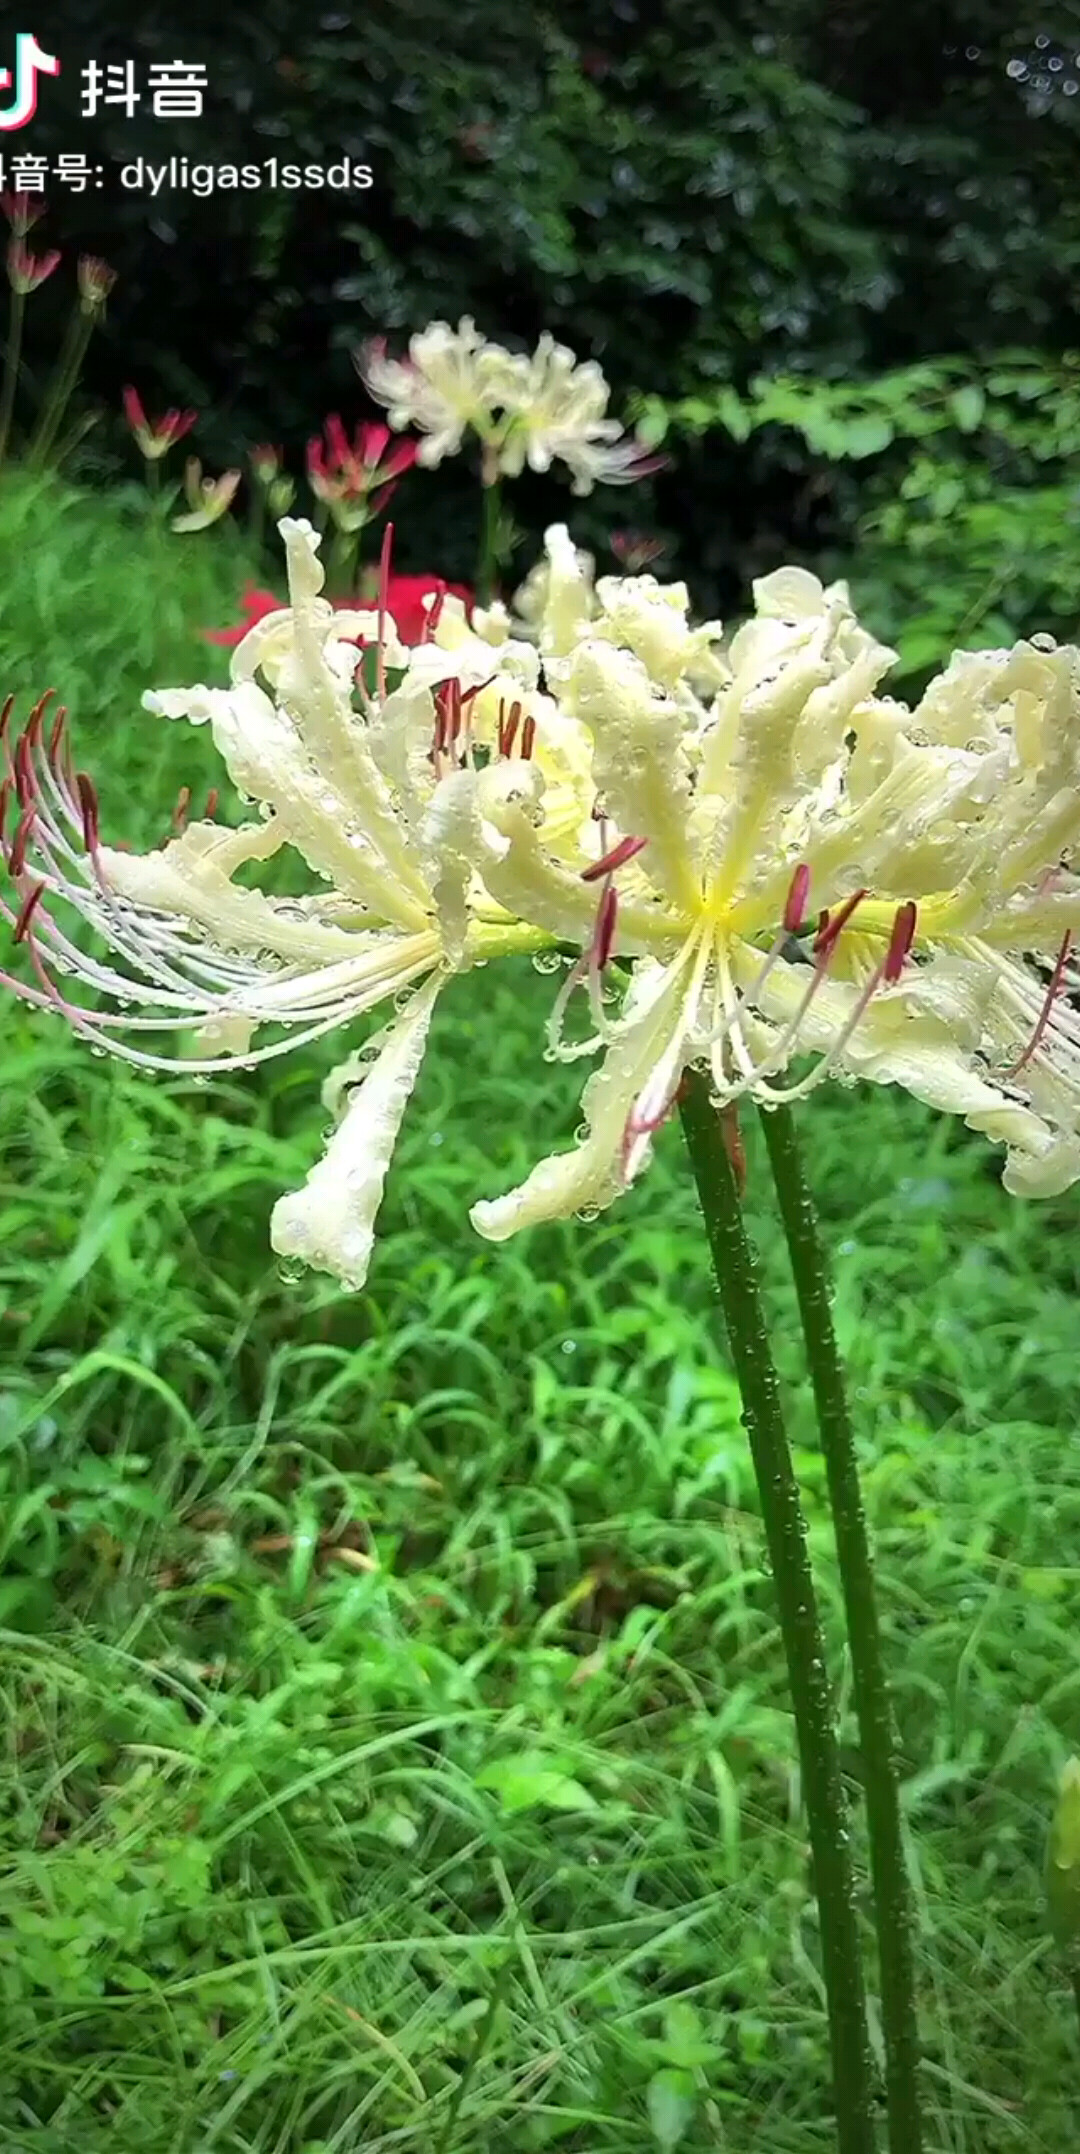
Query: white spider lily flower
[
  {"x": 377, "y": 793},
  {"x": 557, "y": 412},
  {"x": 454, "y": 381},
  {"x": 329, "y": 1224},
  {"x": 803, "y": 868},
  {"x": 540, "y": 409}
]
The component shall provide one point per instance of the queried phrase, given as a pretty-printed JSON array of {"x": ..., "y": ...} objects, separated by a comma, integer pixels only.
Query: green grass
[{"x": 396, "y": 1751}]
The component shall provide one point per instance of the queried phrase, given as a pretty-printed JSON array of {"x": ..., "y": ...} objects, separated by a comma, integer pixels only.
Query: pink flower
[
  {"x": 344, "y": 471},
  {"x": 155, "y": 437},
  {"x": 405, "y": 604},
  {"x": 25, "y": 270},
  {"x": 22, "y": 210}
]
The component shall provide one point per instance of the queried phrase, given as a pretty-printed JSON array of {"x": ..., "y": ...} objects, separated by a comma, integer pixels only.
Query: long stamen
[
  {"x": 1052, "y": 993},
  {"x": 384, "y": 596}
]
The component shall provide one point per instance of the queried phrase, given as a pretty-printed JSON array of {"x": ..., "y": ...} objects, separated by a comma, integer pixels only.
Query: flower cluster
[
  {"x": 749, "y": 860},
  {"x": 537, "y": 410}
]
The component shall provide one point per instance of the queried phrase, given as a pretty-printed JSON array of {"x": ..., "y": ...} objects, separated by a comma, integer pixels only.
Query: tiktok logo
[{"x": 30, "y": 62}]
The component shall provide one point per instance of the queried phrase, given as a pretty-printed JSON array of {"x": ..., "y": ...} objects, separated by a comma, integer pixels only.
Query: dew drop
[
  {"x": 1043, "y": 642},
  {"x": 587, "y": 1214},
  {"x": 1018, "y": 69},
  {"x": 569, "y": 1346},
  {"x": 546, "y": 961},
  {"x": 290, "y": 1270}
]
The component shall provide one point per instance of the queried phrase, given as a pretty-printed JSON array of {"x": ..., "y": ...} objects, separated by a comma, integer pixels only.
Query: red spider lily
[
  {"x": 404, "y": 602},
  {"x": 348, "y": 471},
  {"x": 25, "y": 270},
  {"x": 22, "y": 210},
  {"x": 155, "y": 436}
]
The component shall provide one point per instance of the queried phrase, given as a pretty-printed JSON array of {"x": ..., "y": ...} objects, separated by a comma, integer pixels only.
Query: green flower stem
[
  {"x": 892, "y": 1898},
  {"x": 490, "y": 526},
  {"x": 785, "y": 1534},
  {"x": 69, "y": 366},
  {"x": 12, "y": 356}
]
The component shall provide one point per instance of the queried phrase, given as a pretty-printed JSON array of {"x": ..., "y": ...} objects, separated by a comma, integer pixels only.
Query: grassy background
[{"x": 395, "y": 1743}]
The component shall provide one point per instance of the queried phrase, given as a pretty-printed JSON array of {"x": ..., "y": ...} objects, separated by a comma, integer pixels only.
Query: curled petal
[
  {"x": 623, "y": 1103},
  {"x": 329, "y": 1224}
]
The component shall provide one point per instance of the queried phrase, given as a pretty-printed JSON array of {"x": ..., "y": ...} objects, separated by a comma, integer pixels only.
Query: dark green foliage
[{"x": 691, "y": 195}]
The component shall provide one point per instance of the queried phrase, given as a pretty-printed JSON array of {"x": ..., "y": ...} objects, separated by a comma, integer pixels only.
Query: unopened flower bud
[
  {"x": 280, "y": 494},
  {"x": 96, "y": 281}
]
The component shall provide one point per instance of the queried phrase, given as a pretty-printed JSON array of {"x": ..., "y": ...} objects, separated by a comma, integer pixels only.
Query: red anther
[
  {"x": 508, "y": 725},
  {"x": 36, "y": 719},
  {"x": 795, "y": 908},
  {"x": 5, "y": 717},
  {"x": 1052, "y": 992},
  {"x": 528, "y": 735},
  {"x": 211, "y": 804},
  {"x": 88, "y": 802},
  {"x": 432, "y": 617},
  {"x": 605, "y": 926},
  {"x": 57, "y": 733},
  {"x": 617, "y": 858},
  {"x": 901, "y": 939},
  {"x": 5, "y": 795},
  {"x": 831, "y": 925},
  {"x": 27, "y": 910},
  {"x": 25, "y": 781},
  {"x": 23, "y": 832},
  {"x": 384, "y": 599},
  {"x": 183, "y": 803}
]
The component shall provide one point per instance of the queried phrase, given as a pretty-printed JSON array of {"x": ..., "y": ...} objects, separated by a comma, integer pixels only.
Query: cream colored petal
[
  {"x": 565, "y": 592},
  {"x": 266, "y": 760},
  {"x": 640, "y": 764},
  {"x": 644, "y": 1061},
  {"x": 190, "y": 878},
  {"x": 329, "y": 1224}
]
